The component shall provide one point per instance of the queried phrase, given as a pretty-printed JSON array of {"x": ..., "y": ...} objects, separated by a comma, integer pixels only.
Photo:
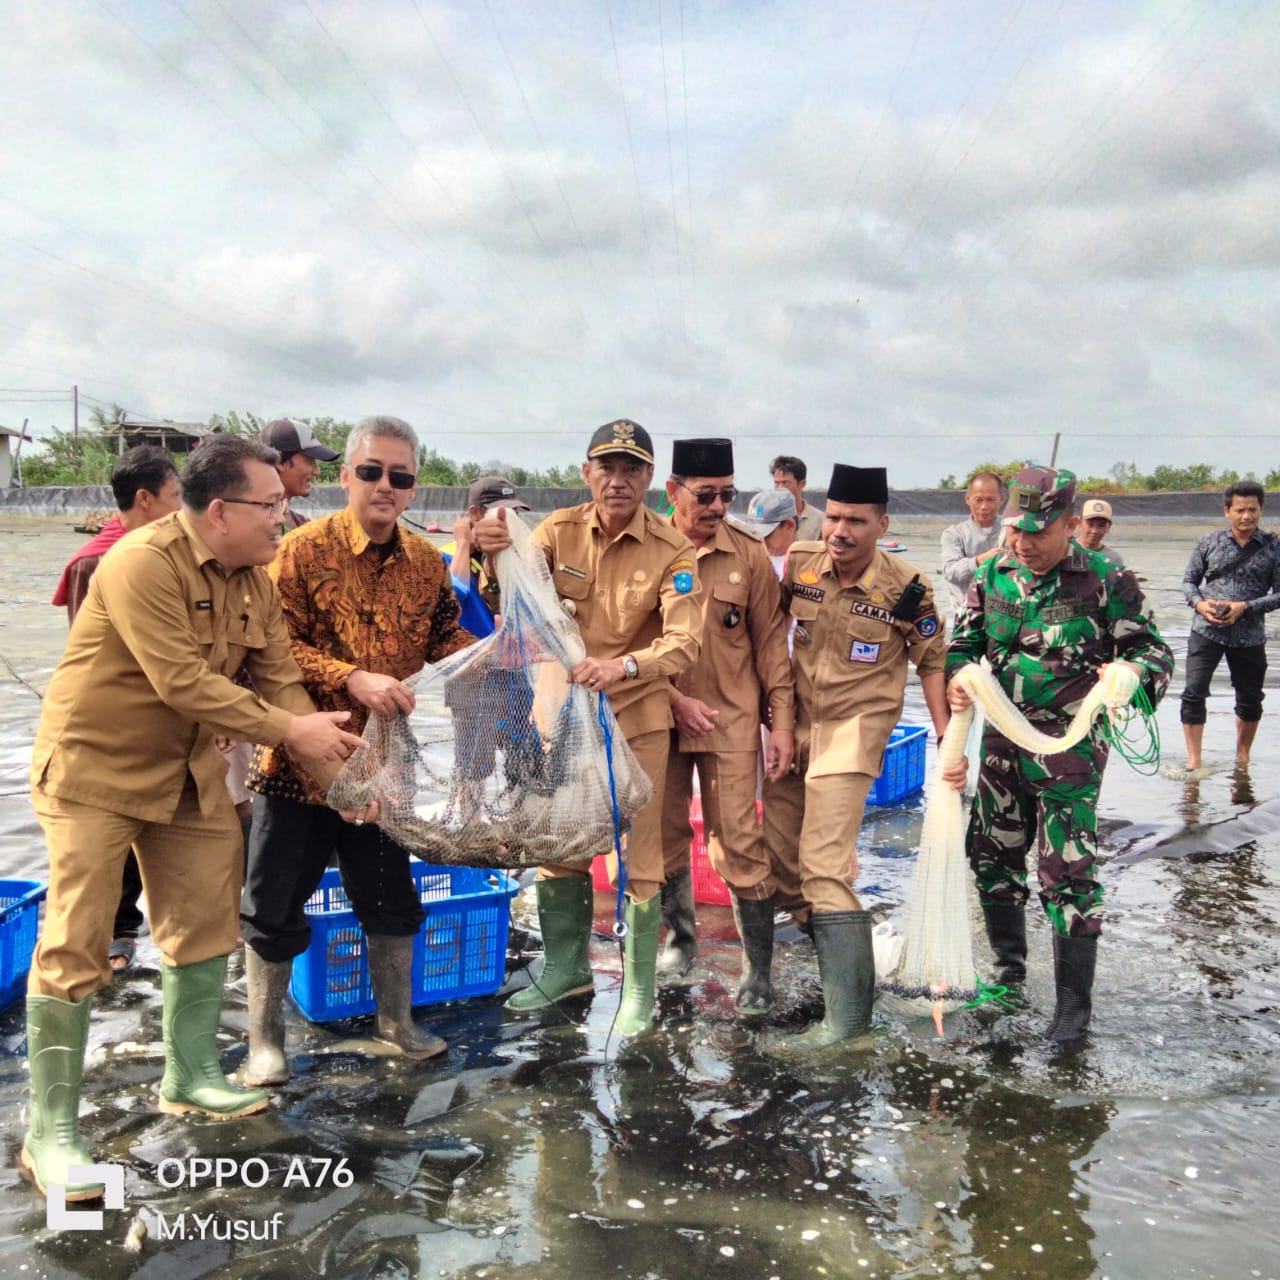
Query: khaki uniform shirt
[
  {"x": 741, "y": 662},
  {"x": 850, "y": 656},
  {"x": 634, "y": 594},
  {"x": 145, "y": 683}
]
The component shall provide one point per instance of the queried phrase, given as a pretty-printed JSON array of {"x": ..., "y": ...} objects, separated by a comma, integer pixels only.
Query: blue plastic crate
[
  {"x": 903, "y": 771},
  {"x": 460, "y": 951},
  {"x": 19, "y": 922}
]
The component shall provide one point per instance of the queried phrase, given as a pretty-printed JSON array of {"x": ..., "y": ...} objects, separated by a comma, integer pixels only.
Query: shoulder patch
[
  {"x": 928, "y": 625},
  {"x": 683, "y": 582}
]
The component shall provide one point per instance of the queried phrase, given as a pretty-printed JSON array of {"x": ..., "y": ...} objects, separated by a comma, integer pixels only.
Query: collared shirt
[
  {"x": 809, "y": 524},
  {"x": 636, "y": 594},
  {"x": 73, "y": 586},
  {"x": 850, "y": 655},
  {"x": 744, "y": 644},
  {"x": 962, "y": 544},
  {"x": 1046, "y": 636},
  {"x": 1256, "y": 582},
  {"x": 145, "y": 684},
  {"x": 350, "y": 609}
]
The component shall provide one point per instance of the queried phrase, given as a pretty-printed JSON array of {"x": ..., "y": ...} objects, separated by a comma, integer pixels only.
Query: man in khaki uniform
[
  {"x": 628, "y": 579},
  {"x": 125, "y": 755},
  {"x": 859, "y": 616},
  {"x": 717, "y": 705}
]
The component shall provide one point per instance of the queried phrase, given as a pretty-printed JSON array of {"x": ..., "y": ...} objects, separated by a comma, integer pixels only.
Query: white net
[
  {"x": 504, "y": 762},
  {"x": 925, "y": 960}
]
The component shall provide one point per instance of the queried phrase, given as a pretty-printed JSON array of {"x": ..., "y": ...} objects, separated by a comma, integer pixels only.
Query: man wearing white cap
[
  {"x": 300, "y": 457},
  {"x": 1095, "y": 524}
]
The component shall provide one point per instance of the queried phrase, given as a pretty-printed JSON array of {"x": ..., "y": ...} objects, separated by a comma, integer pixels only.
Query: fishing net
[
  {"x": 925, "y": 958},
  {"x": 504, "y": 762}
]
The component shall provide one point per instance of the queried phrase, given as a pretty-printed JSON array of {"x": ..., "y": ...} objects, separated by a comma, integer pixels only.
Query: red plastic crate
[{"x": 708, "y": 888}]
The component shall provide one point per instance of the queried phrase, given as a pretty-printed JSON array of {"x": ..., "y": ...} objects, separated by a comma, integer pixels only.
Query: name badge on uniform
[
  {"x": 204, "y": 606},
  {"x": 806, "y": 592},
  {"x": 877, "y": 613},
  {"x": 860, "y": 651},
  {"x": 571, "y": 571}
]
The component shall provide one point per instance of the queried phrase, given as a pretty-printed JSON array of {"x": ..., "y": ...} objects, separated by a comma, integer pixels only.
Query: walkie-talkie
[{"x": 909, "y": 601}]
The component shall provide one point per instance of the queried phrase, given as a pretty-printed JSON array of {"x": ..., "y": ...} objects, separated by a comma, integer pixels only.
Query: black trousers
[
  {"x": 1247, "y": 665},
  {"x": 288, "y": 853},
  {"x": 128, "y": 915}
]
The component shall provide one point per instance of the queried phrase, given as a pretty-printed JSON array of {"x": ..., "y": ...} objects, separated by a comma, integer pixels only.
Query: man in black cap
[
  {"x": 300, "y": 455},
  {"x": 717, "y": 704},
  {"x": 859, "y": 616},
  {"x": 628, "y": 579},
  {"x": 477, "y": 593}
]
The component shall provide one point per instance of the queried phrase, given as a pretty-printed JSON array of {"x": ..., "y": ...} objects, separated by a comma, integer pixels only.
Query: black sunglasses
[
  {"x": 372, "y": 473},
  {"x": 705, "y": 497}
]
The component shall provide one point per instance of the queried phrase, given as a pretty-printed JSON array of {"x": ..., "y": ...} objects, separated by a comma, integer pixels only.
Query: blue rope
[{"x": 607, "y": 731}]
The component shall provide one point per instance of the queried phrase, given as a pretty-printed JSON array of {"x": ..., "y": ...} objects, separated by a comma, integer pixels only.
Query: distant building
[
  {"x": 6, "y": 457},
  {"x": 177, "y": 437}
]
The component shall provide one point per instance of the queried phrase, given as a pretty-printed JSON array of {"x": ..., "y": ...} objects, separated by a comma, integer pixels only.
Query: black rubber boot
[
  {"x": 1073, "y": 965},
  {"x": 846, "y": 963},
  {"x": 680, "y": 916},
  {"x": 1007, "y": 934},
  {"x": 754, "y": 919}
]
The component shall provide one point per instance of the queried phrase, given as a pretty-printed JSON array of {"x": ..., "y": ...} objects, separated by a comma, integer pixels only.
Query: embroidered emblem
[
  {"x": 928, "y": 625},
  {"x": 807, "y": 592},
  {"x": 860, "y": 609},
  {"x": 859, "y": 651},
  {"x": 683, "y": 582},
  {"x": 639, "y": 575},
  {"x": 801, "y": 634},
  {"x": 809, "y": 576},
  {"x": 877, "y": 597},
  {"x": 624, "y": 433},
  {"x": 735, "y": 577}
]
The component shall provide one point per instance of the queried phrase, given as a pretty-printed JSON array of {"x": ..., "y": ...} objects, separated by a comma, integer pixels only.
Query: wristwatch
[{"x": 630, "y": 668}]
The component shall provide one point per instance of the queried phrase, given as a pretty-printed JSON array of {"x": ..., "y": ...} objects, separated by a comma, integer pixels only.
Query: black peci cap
[
  {"x": 710, "y": 457},
  {"x": 859, "y": 484}
]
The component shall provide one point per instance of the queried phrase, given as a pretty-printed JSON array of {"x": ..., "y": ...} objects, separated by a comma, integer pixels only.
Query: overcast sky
[{"x": 906, "y": 233}]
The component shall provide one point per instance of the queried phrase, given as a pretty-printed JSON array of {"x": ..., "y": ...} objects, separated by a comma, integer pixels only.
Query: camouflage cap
[{"x": 1037, "y": 497}]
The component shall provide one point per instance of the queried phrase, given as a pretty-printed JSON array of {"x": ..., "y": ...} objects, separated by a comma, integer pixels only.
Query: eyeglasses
[
  {"x": 274, "y": 509},
  {"x": 372, "y": 473},
  {"x": 705, "y": 497}
]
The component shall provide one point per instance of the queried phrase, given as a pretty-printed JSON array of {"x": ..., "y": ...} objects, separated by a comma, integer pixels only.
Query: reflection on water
[{"x": 547, "y": 1149}]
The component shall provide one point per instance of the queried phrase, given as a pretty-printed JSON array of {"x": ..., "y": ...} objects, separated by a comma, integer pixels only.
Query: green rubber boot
[
  {"x": 847, "y": 967},
  {"x": 56, "y": 1034},
  {"x": 564, "y": 915},
  {"x": 193, "y": 1079},
  {"x": 639, "y": 966}
]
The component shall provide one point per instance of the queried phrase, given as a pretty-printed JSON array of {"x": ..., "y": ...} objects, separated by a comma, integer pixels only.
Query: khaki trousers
[
  {"x": 811, "y": 831},
  {"x": 192, "y": 872},
  {"x": 644, "y": 844},
  {"x": 735, "y": 842}
]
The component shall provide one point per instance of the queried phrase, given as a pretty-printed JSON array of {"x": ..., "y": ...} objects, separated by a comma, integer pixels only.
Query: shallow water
[{"x": 546, "y": 1148}]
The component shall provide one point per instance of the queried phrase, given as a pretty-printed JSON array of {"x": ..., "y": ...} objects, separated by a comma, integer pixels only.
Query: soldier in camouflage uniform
[{"x": 1049, "y": 616}]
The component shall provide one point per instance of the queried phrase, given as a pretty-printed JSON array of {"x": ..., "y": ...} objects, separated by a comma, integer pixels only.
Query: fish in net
[
  {"x": 924, "y": 959},
  {"x": 504, "y": 761}
]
